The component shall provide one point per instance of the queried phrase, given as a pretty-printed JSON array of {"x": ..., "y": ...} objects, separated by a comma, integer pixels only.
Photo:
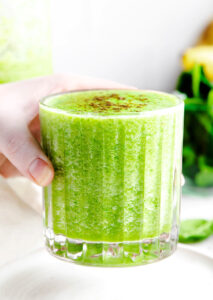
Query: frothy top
[{"x": 109, "y": 102}]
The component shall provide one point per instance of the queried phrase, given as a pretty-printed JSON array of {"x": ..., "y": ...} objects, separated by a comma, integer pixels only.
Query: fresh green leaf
[
  {"x": 195, "y": 230},
  {"x": 184, "y": 84},
  {"x": 205, "y": 85},
  {"x": 204, "y": 178},
  {"x": 203, "y": 164},
  {"x": 194, "y": 101},
  {"x": 195, "y": 104},
  {"x": 190, "y": 171},
  {"x": 189, "y": 156},
  {"x": 205, "y": 121},
  {"x": 196, "y": 76},
  {"x": 198, "y": 125},
  {"x": 210, "y": 103}
]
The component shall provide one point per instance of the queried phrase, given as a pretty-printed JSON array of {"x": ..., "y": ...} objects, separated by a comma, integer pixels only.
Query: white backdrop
[{"x": 137, "y": 42}]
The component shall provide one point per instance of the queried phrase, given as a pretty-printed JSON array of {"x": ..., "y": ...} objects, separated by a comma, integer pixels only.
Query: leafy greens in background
[{"x": 198, "y": 125}]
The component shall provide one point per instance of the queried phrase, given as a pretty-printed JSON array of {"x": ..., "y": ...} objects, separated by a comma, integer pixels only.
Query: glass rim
[{"x": 160, "y": 111}]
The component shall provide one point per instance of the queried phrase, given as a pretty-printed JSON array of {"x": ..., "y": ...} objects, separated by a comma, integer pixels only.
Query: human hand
[{"x": 20, "y": 152}]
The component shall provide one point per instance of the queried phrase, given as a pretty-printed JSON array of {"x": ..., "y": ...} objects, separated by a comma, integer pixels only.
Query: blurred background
[
  {"x": 135, "y": 42},
  {"x": 142, "y": 43}
]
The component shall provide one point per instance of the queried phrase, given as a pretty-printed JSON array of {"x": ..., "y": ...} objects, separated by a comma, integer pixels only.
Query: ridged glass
[{"x": 115, "y": 197}]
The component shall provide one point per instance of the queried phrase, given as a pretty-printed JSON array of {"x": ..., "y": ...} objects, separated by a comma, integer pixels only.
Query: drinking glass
[
  {"x": 115, "y": 197},
  {"x": 25, "y": 43}
]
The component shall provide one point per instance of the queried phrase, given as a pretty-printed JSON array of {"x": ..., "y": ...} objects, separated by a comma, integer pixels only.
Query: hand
[{"x": 20, "y": 151}]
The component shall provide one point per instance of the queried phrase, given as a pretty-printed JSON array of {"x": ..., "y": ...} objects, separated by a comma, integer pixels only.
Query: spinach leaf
[
  {"x": 204, "y": 178},
  {"x": 196, "y": 76},
  {"x": 198, "y": 125},
  {"x": 184, "y": 84},
  {"x": 204, "y": 121},
  {"x": 210, "y": 103},
  {"x": 189, "y": 156},
  {"x": 195, "y": 104},
  {"x": 205, "y": 85},
  {"x": 195, "y": 230}
]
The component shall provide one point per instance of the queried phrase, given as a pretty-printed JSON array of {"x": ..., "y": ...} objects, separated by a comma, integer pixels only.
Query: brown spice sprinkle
[
  {"x": 109, "y": 103},
  {"x": 98, "y": 98},
  {"x": 103, "y": 103}
]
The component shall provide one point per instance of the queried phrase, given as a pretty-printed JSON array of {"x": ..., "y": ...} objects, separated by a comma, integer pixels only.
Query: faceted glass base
[{"x": 106, "y": 254}]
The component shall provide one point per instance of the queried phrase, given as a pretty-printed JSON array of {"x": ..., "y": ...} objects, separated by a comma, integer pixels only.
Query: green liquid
[
  {"x": 25, "y": 40},
  {"x": 117, "y": 161}
]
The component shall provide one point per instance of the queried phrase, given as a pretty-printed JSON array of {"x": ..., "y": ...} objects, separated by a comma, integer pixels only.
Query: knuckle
[
  {"x": 14, "y": 145},
  {"x": 4, "y": 174},
  {"x": 2, "y": 159}
]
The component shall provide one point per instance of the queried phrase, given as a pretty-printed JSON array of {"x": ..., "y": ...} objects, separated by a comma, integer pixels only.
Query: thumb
[{"x": 24, "y": 152}]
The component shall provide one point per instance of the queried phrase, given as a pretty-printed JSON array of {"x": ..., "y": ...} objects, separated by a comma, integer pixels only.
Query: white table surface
[{"x": 21, "y": 226}]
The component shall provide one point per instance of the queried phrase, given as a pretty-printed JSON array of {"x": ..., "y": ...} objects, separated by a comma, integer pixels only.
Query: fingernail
[{"x": 41, "y": 172}]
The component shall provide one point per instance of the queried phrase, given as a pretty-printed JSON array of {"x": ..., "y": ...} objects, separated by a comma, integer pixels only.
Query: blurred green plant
[{"x": 197, "y": 92}]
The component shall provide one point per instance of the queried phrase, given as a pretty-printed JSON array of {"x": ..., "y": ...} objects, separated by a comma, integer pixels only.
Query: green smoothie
[
  {"x": 25, "y": 42},
  {"x": 115, "y": 196}
]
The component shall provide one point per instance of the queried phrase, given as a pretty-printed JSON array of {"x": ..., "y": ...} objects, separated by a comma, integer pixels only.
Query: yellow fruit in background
[
  {"x": 202, "y": 55},
  {"x": 206, "y": 37}
]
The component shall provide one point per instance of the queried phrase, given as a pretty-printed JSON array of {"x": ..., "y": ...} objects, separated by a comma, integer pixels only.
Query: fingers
[
  {"x": 26, "y": 94},
  {"x": 70, "y": 82},
  {"x": 22, "y": 150},
  {"x": 20, "y": 105},
  {"x": 2, "y": 159},
  {"x": 7, "y": 170},
  {"x": 34, "y": 128}
]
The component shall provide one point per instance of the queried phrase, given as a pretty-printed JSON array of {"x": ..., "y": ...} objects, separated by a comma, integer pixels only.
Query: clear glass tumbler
[
  {"x": 115, "y": 197},
  {"x": 25, "y": 42}
]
